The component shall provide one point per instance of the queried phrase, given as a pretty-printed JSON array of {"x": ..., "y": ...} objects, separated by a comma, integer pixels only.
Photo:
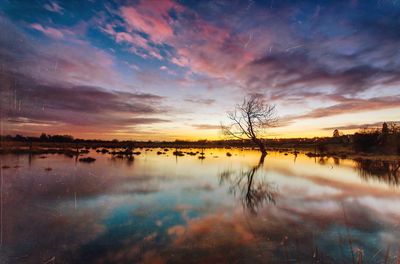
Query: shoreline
[{"x": 72, "y": 149}]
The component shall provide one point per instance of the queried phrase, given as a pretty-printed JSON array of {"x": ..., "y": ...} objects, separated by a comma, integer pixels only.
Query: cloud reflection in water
[{"x": 158, "y": 210}]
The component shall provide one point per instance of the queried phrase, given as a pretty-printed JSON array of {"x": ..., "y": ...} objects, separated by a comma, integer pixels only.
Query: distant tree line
[
  {"x": 42, "y": 138},
  {"x": 384, "y": 140}
]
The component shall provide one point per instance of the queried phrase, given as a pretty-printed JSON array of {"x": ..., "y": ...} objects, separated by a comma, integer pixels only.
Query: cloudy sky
[{"x": 164, "y": 70}]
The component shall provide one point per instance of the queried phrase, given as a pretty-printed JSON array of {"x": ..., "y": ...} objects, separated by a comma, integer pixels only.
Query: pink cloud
[
  {"x": 151, "y": 19},
  {"x": 210, "y": 50},
  {"x": 138, "y": 44},
  {"x": 154, "y": 53},
  {"x": 180, "y": 61},
  {"x": 48, "y": 31},
  {"x": 133, "y": 39},
  {"x": 205, "y": 48}
]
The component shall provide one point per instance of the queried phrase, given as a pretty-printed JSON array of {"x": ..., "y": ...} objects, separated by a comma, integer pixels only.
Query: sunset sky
[{"x": 166, "y": 70}]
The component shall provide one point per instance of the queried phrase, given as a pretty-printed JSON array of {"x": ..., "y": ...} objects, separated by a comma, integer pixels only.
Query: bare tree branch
[{"x": 250, "y": 119}]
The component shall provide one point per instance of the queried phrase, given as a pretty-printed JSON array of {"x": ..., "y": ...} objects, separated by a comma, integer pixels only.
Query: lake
[{"x": 221, "y": 209}]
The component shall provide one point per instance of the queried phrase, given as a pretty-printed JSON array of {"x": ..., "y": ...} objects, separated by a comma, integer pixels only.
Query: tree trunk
[
  {"x": 260, "y": 145},
  {"x": 262, "y": 148}
]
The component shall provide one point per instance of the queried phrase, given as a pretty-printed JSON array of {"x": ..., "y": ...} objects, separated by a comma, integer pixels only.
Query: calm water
[{"x": 167, "y": 209}]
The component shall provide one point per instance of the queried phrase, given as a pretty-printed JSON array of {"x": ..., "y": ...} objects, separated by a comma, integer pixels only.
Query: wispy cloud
[
  {"x": 79, "y": 62},
  {"x": 32, "y": 104},
  {"x": 206, "y": 126},
  {"x": 54, "y": 7},
  {"x": 354, "y": 106},
  {"x": 48, "y": 31},
  {"x": 203, "y": 101}
]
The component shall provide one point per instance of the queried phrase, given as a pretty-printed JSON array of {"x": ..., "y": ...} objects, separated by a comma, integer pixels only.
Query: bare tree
[{"x": 250, "y": 119}]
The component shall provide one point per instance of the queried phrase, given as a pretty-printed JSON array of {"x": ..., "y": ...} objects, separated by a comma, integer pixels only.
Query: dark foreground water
[{"x": 167, "y": 209}]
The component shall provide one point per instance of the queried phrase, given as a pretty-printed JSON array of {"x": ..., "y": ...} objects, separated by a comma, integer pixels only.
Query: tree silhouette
[
  {"x": 250, "y": 119},
  {"x": 336, "y": 133},
  {"x": 385, "y": 128}
]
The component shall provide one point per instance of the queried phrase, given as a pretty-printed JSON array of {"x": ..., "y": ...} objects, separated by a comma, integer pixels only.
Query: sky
[{"x": 166, "y": 70}]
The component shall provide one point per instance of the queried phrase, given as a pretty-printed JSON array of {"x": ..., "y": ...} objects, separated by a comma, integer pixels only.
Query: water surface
[{"x": 167, "y": 209}]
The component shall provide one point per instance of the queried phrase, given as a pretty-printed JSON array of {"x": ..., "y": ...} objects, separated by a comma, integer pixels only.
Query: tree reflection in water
[
  {"x": 253, "y": 191},
  {"x": 385, "y": 171}
]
